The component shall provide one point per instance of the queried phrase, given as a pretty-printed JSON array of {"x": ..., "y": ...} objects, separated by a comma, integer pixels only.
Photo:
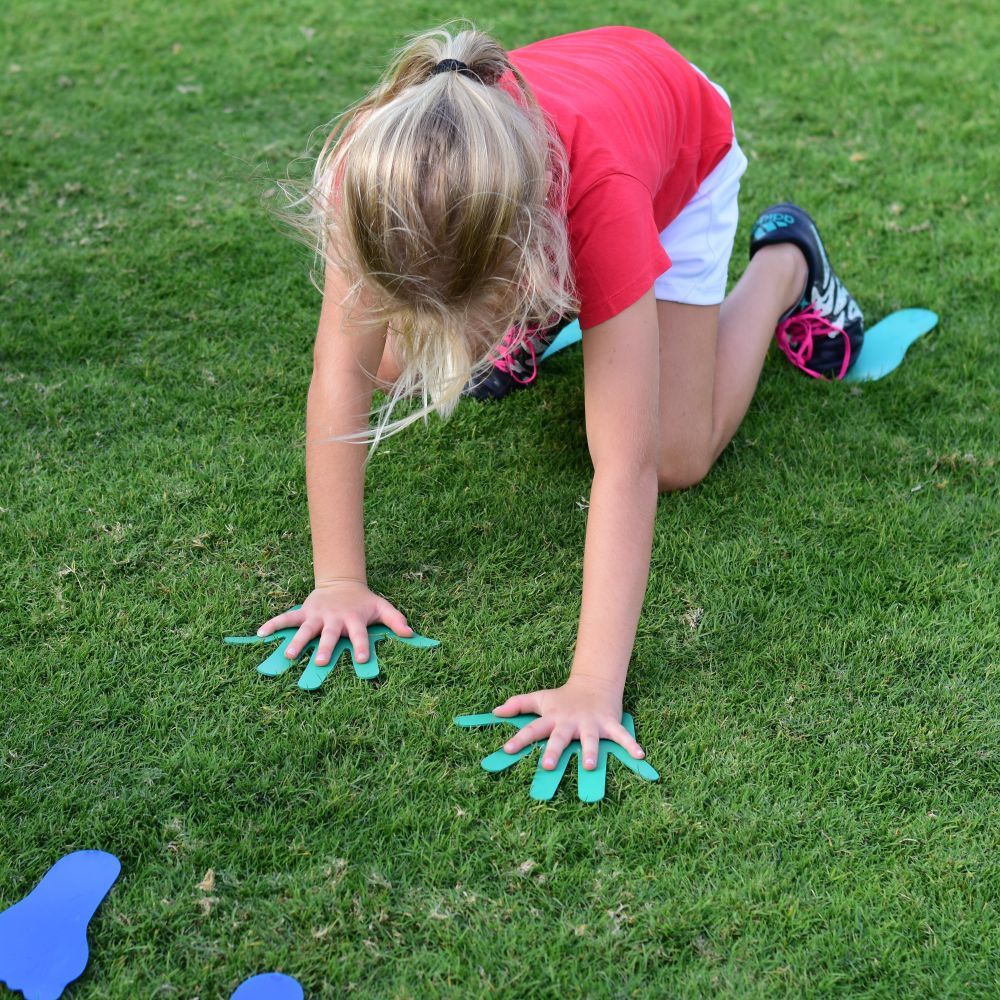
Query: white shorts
[{"x": 700, "y": 240}]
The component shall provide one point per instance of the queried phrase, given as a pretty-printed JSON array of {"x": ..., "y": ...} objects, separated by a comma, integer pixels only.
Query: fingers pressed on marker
[
  {"x": 358, "y": 635},
  {"x": 306, "y": 631},
  {"x": 536, "y": 730},
  {"x": 558, "y": 742},
  {"x": 326, "y": 643},
  {"x": 621, "y": 735},
  {"x": 588, "y": 749}
]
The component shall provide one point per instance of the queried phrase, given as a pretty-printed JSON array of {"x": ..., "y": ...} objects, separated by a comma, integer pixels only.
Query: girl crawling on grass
[{"x": 476, "y": 199}]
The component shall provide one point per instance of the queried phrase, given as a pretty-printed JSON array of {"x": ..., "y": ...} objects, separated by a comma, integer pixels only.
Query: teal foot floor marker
[
  {"x": 590, "y": 784},
  {"x": 884, "y": 347},
  {"x": 269, "y": 986},
  {"x": 887, "y": 342},
  {"x": 43, "y": 938},
  {"x": 314, "y": 674},
  {"x": 568, "y": 335}
]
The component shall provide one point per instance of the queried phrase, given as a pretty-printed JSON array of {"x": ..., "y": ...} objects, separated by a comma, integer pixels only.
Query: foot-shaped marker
[
  {"x": 269, "y": 986},
  {"x": 564, "y": 338},
  {"x": 887, "y": 342},
  {"x": 882, "y": 351},
  {"x": 314, "y": 674},
  {"x": 43, "y": 938},
  {"x": 590, "y": 784}
]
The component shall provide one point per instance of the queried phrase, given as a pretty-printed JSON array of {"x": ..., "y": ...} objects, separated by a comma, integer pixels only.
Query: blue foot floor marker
[
  {"x": 314, "y": 674},
  {"x": 887, "y": 342},
  {"x": 590, "y": 784},
  {"x": 568, "y": 335},
  {"x": 43, "y": 938},
  {"x": 269, "y": 986}
]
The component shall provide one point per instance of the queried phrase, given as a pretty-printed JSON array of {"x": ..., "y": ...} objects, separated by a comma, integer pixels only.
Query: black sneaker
[
  {"x": 821, "y": 335},
  {"x": 517, "y": 366}
]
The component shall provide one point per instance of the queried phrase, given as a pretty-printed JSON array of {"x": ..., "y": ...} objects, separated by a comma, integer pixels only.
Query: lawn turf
[{"x": 816, "y": 669}]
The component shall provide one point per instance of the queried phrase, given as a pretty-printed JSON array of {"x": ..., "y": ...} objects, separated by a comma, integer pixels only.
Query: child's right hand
[{"x": 345, "y": 607}]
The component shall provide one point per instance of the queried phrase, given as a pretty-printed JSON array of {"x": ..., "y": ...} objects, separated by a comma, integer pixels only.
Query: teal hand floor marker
[
  {"x": 43, "y": 938},
  {"x": 269, "y": 986},
  {"x": 887, "y": 342},
  {"x": 590, "y": 784},
  {"x": 313, "y": 675}
]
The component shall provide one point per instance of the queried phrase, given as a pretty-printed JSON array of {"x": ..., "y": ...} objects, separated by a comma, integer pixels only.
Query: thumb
[
  {"x": 394, "y": 618},
  {"x": 518, "y": 704}
]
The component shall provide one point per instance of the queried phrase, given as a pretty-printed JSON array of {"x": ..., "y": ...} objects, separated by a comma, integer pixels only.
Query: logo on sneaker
[
  {"x": 836, "y": 303},
  {"x": 769, "y": 221},
  {"x": 829, "y": 295}
]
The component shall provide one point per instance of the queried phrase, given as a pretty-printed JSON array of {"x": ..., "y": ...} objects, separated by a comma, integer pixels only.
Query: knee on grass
[{"x": 681, "y": 473}]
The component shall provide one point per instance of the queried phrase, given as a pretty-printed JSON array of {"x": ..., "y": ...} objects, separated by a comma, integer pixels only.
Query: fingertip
[
  {"x": 262, "y": 632},
  {"x": 639, "y": 753}
]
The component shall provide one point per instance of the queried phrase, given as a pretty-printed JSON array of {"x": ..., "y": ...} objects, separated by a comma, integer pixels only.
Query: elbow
[
  {"x": 624, "y": 473},
  {"x": 667, "y": 474},
  {"x": 628, "y": 463}
]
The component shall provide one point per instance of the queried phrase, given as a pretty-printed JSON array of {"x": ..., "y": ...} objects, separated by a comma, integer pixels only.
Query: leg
[{"x": 710, "y": 361}]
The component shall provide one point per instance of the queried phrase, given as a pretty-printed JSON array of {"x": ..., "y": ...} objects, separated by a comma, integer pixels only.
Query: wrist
[
  {"x": 609, "y": 686},
  {"x": 324, "y": 582}
]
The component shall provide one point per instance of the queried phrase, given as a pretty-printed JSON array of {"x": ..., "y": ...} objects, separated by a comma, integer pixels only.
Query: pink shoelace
[
  {"x": 795, "y": 337},
  {"x": 509, "y": 344}
]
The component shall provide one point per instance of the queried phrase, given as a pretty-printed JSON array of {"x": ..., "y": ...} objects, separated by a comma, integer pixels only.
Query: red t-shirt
[{"x": 642, "y": 129}]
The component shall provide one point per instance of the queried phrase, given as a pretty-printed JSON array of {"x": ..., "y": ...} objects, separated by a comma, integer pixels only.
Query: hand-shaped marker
[
  {"x": 314, "y": 674},
  {"x": 590, "y": 784}
]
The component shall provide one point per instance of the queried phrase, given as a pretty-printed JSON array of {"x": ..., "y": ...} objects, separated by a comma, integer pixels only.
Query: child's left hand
[{"x": 585, "y": 708}]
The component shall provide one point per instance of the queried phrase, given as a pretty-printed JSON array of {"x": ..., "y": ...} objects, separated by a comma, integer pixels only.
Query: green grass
[{"x": 827, "y": 733}]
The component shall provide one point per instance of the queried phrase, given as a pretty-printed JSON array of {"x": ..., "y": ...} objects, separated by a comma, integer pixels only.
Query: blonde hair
[{"x": 441, "y": 198}]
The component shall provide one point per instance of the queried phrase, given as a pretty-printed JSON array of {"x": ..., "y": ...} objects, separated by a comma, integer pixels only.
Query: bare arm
[
  {"x": 340, "y": 395},
  {"x": 621, "y": 386}
]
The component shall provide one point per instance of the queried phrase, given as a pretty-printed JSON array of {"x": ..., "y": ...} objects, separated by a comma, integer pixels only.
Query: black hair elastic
[{"x": 453, "y": 64}]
